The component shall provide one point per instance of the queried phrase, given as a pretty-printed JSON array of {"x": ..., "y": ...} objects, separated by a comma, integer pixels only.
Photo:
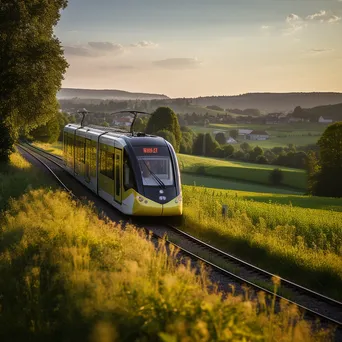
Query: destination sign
[{"x": 150, "y": 150}]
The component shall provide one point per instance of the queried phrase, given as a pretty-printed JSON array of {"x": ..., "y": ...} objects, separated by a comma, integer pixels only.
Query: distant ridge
[
  {"x": 269, "y": 102},
  {"x": 106, "y": 94}
]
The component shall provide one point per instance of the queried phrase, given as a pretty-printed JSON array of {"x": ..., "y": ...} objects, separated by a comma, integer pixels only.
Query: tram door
[
  {"x": 118, "y": 176},
  {"x": 88, "y": 160}
]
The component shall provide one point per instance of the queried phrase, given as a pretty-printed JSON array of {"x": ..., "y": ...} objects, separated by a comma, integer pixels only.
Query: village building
[
  {"x": 325, "y": 120},
  {"x": 258, "y": 135}
]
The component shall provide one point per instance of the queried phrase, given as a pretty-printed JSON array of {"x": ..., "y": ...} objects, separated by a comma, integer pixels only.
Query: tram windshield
[{"x": 156, "y": 170}]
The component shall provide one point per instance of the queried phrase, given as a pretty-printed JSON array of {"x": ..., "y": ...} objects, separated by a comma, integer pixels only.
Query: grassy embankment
[
  {"x": 67, "y": 275},
  {"x": 56, "y": 148},
  {"x": 295, "y": 242},
  {"x": 246, "y": 172}
]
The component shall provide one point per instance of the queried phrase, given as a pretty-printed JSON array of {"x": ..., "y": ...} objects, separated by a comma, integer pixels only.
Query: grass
[
  {"x": 66, "y": 275},
  {"x": 220, "y": 183},
  {"x": 247, "y": 172},
  {"x": 56, "y": 148},
  {"x": 301, "y": 244},
  {"x": 18, "y": 177}
]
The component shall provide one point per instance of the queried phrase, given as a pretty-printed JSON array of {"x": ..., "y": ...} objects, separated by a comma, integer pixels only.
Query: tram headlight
[
  {"x": 178, "y": 199},
  {"x": 140, "y": 198}
]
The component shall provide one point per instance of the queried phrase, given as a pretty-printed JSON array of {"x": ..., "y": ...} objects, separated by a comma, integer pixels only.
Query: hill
[
  {"x": 271, "y": 102},
  {"x": 103, "y": 94},
  {"x": 333, "y": 112}
]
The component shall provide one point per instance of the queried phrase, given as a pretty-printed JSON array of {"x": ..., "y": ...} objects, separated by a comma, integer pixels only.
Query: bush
[
  {"x": 276, "y": 177},
  {"x": 261, "y": 160},
  {"x": 167, "y": 135}
]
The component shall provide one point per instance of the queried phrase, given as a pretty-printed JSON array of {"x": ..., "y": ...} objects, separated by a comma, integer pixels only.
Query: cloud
[
  {"x": 144, "y": 44},
  {"x": 317, "y": 51},
  {"x": 106, "y": 46},
  {"x": 265, "y": 27},
  {"x": 77, "y": 51},
  {"x": 294, "y": 24},
  {"x": 324, "y": 17},
  {"x": 178, "y": 63}
]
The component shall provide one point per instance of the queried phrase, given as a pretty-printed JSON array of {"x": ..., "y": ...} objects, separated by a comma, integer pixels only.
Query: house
[
  {"x": 231, "y": 140},
  {"x": 124, "y": 121},
  {"x": 257, "y": 135},
  {"x": 293, "y": 119},
  {"x": 243, "y": 132},
  {"x": 325, "y": 120}
]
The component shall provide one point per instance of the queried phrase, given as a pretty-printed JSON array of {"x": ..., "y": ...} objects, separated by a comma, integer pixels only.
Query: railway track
[{"x": 313, "y": 304}]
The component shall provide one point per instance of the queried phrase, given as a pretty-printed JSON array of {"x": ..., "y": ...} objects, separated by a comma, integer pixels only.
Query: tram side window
[
  {"x": 107, "y": 164},
  {"x": 81, "y": 151},
  {"x": 129, "y": 181}
]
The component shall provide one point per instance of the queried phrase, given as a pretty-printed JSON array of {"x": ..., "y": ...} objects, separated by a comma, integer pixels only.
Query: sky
[{"x": 191, "y": 48}]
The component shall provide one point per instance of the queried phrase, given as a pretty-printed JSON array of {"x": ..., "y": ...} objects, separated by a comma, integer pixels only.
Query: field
[
  {"x": 67, "y": 275},
  {"x": 282, "y": 135},
  {"x": 220, "y": 183},
  {"x": 246, "y": 172},
  {"x": 298, "y": 243}
]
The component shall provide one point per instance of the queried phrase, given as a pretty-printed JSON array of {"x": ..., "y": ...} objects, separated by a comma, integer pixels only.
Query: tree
[
  {"x": 6, "y": 142},
  {"x": 220, "y": 138},
  {"x": 164, "y": 118},
  {"x": 228, "y": 150},
  {"x": 261, "y": 159},
  {"x": 140, "y": 124},
  {"x": 257, "y": 151},
  {"x": 32, "y": 64},
  {"x": 234, "y": 133},
  {"x": 47, "y": 133},
  {"x": 327, "y": 178},
  {"x": 167, "y": 135},
  {"x": 205, "y": 147},
  {"x": 245, "y": 147},
  {"x": 276, "y": 177},
  {"x": 186, "y": 143}
]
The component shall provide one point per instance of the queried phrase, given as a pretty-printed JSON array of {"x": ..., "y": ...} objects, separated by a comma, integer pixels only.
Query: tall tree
[
  {"x": 164, "y": 118},
  {"x": 32, "y": 63},
  {"x": 327, "y": 180}
]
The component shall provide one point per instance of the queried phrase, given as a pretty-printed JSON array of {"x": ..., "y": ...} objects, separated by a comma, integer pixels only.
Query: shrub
[{"x": 276, "y": 177}]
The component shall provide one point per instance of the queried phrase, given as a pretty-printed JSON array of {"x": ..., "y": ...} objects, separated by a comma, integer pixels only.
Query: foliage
[
  {"x": 164, "y": 118},
  {"x": 186, "y": 142},
  {"x": 140, "y": 124},
  {"x": 66, "y": 275},
  {"x": 205, "y": 145},
  {"x": 276, "y": 177},
  {"x": 234, "y": 133},
  {"x": 220, "y": 138},
  {"x": 167, "y": 135},
  {"x": 301, "y": 244},
  {"x": 49, "y": 132},
  {"x": 325, "y": 178},
  {"x": 32, "y": 62},
  {"x": 6, "y": 142},
  {"x": 245, "y": 147}
]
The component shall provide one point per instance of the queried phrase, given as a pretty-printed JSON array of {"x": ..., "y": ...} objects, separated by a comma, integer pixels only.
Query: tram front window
[{"x": 159, "y": 166}]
